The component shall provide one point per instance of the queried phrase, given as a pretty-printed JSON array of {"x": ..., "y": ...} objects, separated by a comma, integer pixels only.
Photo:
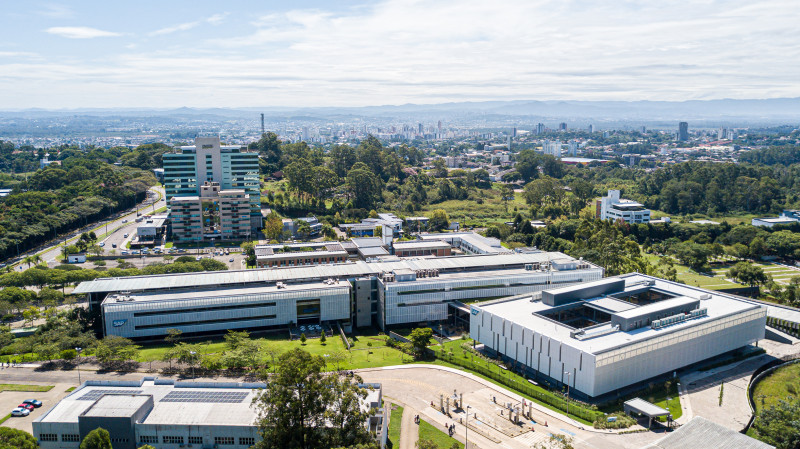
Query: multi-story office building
[
  {"x": 602, "y": 336},
  {"x": 215, "y": 214},
  {"x": 167, "y": 414},
  {"x": 612, "y": 207},
  {"x": 355, "y": 294},
  {"x": 683, "y": 131},
  {"x": 189, "y": 168}
]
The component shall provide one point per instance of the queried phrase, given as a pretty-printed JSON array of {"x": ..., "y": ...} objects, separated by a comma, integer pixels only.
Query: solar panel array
[
  {"x": 227, "y": 397},
  {"x": 96, "y": 394}
]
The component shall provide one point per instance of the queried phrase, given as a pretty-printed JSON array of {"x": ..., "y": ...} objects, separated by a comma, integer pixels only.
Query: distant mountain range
[{"x": 763, "y": 110}]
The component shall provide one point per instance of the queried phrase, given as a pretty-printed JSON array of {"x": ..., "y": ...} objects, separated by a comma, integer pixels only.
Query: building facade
[
  {"x": 612, "y": 207},
  {"x": 357, "y": 294},
  {"x": 606, "y": 335},
  {"x": 189, "y": 168}
]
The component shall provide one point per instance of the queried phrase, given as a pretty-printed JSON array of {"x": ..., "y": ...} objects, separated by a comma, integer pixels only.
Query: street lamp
[
  {"x": 466, "y": 433},
  {"x": 193, "y": 353},
  {"x": 567, "y": 373},
  {"x": 78, "y": 350}
]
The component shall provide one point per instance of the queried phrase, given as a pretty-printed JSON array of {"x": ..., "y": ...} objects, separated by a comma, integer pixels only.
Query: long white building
[
  {"x": 356, "y": 294},
  {"x": 605, "y": 335}
]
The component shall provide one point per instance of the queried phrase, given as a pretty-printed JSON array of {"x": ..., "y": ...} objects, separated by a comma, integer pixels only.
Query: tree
[
  {"x": 273, "y": 226},
  {"x": 747, "y": 273},
  {"x": 439, "y": 221},
  {"x": 302, "y": 408},
  {"x": 98, "y": 438},
  {"x": 115, "y": 349},
  {"x": 778, "y": 424},
  {"x": 426, "y": 444},
  {"x": 543, "y": 191},
  {"x": 303, "y": 338},
  {"x": 363, "y": 187},
  {"x": 419, "y": 340},
  {"x": 16, "y": 439},
  {"x": 173, "y": 336},
  {"x": 146, "y": 446},
  {"x": 323, "y": 338},
  {"x": 527, "y": 165},
  {"x": 249, "y": 250}
]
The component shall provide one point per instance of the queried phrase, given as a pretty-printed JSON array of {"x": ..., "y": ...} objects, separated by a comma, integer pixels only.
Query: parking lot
[{"x": 10, "y": 399}]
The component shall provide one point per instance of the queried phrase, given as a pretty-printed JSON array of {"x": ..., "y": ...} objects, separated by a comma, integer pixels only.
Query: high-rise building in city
[
  {"x": 572, "y": 148},
  {"x": 540, "y": 128},
  {"x": 683, "y": 131},
  {"x": 562, "y": 126},
  {"x": 643, "y": 130},
  {"x": 552, "y": 147},
  {"x": 590, "y": 129},
  {"x": 514, "y": 132},
  {"x": 419, "y": 126},
  {"x": 722, "y": 133},
  {"x": 206, "y": 163},
  {"x": 306, "y": 134}
]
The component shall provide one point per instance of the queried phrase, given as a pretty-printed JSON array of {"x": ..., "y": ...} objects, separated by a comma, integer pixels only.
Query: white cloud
[
  {"x": 216, "y": 19},
  {"x": 55, "y": 11},
  {"x": 81, "y": 32},
  {"x": 400, "y": 51}
]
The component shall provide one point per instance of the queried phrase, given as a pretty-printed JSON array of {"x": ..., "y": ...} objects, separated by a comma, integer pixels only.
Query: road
[{"x": 126, "y": 219}]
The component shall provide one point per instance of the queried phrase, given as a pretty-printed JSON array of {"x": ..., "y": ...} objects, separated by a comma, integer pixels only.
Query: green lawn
[
  {"x": 395, "y": 421},
  {"x": 20, "y": 387},
  {"x": 470, "y": 213},
  {"x": 361, "y": 355},
  {"x": 714, "y": 281},
  {"x": 428, "y": 431},
  {"x": 783, "y": 382}
]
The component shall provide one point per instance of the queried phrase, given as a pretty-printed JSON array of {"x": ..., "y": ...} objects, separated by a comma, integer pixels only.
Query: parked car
[
  {"x": 125, "y": 236},
  {"x": 230, "y": 260},
  {"x": 27, "y": 406},
  {"x": 20, "y": 412},
  {"x": 125, "y": 220},
  {"x": 113, "y": 245},
  {"x": 101, "y": 244},
  {"x": 33, "y": 402}
]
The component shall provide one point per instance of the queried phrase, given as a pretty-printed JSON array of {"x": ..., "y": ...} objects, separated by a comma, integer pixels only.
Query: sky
[{"x": 164, "y": 54}]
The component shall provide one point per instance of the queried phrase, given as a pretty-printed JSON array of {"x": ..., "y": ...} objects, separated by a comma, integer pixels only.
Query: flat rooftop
[
  {"x": 420, "y": 244},
  {"x": 178, "y": 295},
  {"x": 174, "y": 403},
  {"x": 241, "y": 278},
  {"x": 521, "y": 310}
]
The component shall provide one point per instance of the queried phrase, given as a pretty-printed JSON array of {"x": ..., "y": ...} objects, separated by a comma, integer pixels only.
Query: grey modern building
[
  {"x": 602, "y": 336},
  {"x": 169, "y": 415},
  {"x": 356, "y": 294},
  {"x": 683, "y": 131}
]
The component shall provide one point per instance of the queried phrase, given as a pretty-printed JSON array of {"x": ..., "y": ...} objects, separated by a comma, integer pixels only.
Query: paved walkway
[{"x": 409, "y": 431}]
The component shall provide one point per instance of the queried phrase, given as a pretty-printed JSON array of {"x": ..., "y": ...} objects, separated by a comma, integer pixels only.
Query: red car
[{"x": 26, "y": 406}]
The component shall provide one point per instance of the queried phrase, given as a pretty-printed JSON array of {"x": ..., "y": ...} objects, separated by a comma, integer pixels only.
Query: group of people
[
  {"x": 416, "y": 419},
  {"x": 451, "y": 429}
]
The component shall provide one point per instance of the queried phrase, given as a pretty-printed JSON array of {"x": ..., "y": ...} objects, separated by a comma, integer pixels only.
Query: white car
[{"x": 19, "y": 411}]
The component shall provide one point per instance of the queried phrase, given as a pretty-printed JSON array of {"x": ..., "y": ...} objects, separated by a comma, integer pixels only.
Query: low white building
[
  {"x": 612, "y": 207},
  {"x": 168, "y": 415},
  {"x": 602, "y": 336},
  {"x": 786, "y": 217}
]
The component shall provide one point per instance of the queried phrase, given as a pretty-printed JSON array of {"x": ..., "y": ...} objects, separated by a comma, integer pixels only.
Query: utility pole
[{"x": 466, "y": 432}]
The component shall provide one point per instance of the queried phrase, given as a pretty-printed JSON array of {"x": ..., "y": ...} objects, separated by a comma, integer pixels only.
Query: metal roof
[
  {"x": 343, "y": 270},
  {"x": 647, "y": 408},
  {"x": 701, "y": 433}
]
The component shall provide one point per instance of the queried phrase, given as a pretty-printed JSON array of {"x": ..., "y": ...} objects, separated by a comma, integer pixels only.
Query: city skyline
[{"x": 88, "y": 54}]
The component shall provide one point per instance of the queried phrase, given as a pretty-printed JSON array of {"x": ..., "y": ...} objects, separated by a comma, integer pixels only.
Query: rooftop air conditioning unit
[{"x": 705, "y": 296}]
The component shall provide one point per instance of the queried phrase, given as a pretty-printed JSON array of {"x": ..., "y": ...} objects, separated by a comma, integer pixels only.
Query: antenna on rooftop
[{"x": 263, "y": 131}]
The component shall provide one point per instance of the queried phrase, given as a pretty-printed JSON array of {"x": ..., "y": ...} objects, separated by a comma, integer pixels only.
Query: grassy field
[
  {"x": 710, "y": 281},
  {"x": 470, "y": 213},
  {"x": 367, "y": 351},
  {"x": 20, "y": 387},
  {"x": 783, "y": 382},
  {"x": 428, "y": 431},
  {"x": 395, "y": 421}
]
